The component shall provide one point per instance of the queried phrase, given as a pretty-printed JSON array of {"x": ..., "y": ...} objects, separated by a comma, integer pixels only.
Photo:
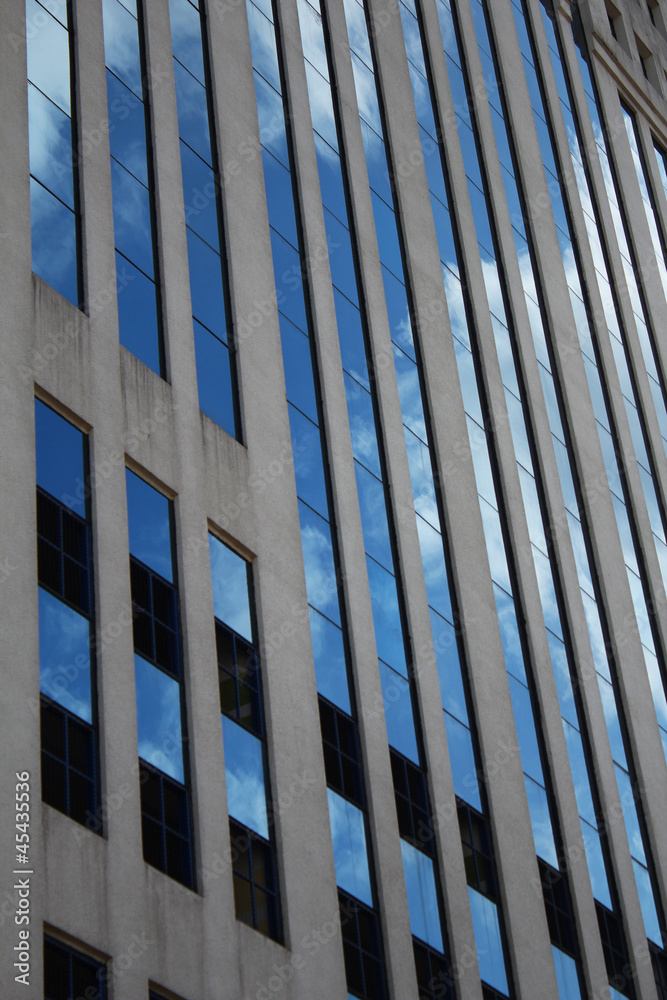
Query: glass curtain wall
[
  {"x": 544, "y": 823},
  {"x": 54, "y": 190},
  {"x": 137, "y": 280},
  {"x": 645, "y": 187},
  {"x": 360, "y": 923},
  {"x": 209, "y": 291},
  {"x": 618, "y": 340},
  {"x": 620, "y": 745},
  {"x": 557, "y": 630},
  {"x": 412, "y": 797},
  {"x": 483, "y": 894}
]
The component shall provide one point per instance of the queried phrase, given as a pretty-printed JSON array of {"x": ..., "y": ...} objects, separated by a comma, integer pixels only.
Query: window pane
[
  {"x": 48, "y": 55},
  {"x": 138, "y": 327},
  {"x": 159, "y": 719},
  {"x": 54, "y": 242},
  {"x": 214, "y": 378},
  {"x": 60, "y": 458},
  {"x": 127, "y": 128},
  {"x": 199, "y": 196},
  {"x": 149, "y": 524},
  {"x": 566, "y": 974},
  {"x": 192, "y": 108},
  {"x": 329, "y": 654},
  {"x": 308, "y": 462},
  {"x": 386, "y": 616},
  {"x": 132, "y": 218},
  {"x": 348, "y": 834},
  {"x": 462, "y": 759},
  {"x": 64, "y": 656},
  {"x": 187, "y": 36},
  {"x": 231, "y": 593},
  {"x": 246, "y": 783},
  {"x": 422, "y": 896},
  {"x": 373, "y": 509},
  {"x": 543, "y": 836},
  {"x": 50, "y": 146},
  {"x": 321, "y": 580},
  {"x": 488, "y": 941},
  {"x": 398, "y": 713},
  {"x": 121, "y": 45}
]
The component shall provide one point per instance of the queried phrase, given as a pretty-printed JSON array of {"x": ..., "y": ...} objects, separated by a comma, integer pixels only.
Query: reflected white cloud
[
  {"x": 422, "y": 896},
  {"x": 349, "y": 846},
  {"x": 231, "y": 598},
  {"x": 244, "y": 771},
  {"x": 48, "y": 55},
  {"x": 64, "y": 655},
  {"x": 318, "y": 563},
  {"x": 159, "y": 730},
  {"x": 121, "y": 44}
]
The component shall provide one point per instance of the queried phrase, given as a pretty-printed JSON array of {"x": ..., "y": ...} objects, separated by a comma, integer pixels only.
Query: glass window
[
  {"x": 60, "y": 458},
  {"x": 149, "y": 523},
  {"x": 54, "y": 221},
  {"x": 386, "y": 616},
  {"x": 70, "y": 973},
  {"x": 245, "y": 774},
  {"x": 348, "y": 833},
  {"x": 398, "y": 714},
  {"x": 330, "y": 660},
  {"x": 567, "y": 975},
  {"x": 488, "y": 940},
  {"x": 462, "y": 760},
  {"x": 321, "y": 577},
  {"x": 422, "y": 896},
  {"x": 69, "y": 739},
  {"x": 159, "y": 719},
  {"x": 231, "y": 588},
  {"x": 308, "y": 461},
  {"x": 64, "y": 656}
]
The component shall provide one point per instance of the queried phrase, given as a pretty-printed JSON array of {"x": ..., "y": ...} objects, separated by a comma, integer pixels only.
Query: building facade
[{"x": 334, "y": 499}]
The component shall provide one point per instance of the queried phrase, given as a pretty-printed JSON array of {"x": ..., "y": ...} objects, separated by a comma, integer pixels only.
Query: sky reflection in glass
[{"x": 64, "y": 656}]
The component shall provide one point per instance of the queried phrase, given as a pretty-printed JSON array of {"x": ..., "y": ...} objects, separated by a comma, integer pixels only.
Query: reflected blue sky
[
  {"x": 348, "y": 834},
  {"x": 231, "y": 593},
  {"x": 138, "y": 318},
  {"x": 54, "y": 242},
  {"x": 149, "y": 524},
  {"x": 462, "y": 760},
  {"x": 50, "y": 145},
  {"x": 64, "y": 656},
  {"x": 60, "y": 457},
  {"x": 321, "y": 583},
  {"x": 596, "y": 866},
  {"x": 245, "y": 774},
  {"x": 566, "y": 975},
  {"x": 386, "y": 616},
  {"x": 48, "y": 55},
  {"x": 121, "y": 45},
  {"x": 398, "y": 714},
  {"x": 330, "y": 666},
  {"x": 487, "y": 938},
  {"x": 159, "y": 719},
  {"x": 422, "y": 896},
  {"x": 538, "y": 805}
]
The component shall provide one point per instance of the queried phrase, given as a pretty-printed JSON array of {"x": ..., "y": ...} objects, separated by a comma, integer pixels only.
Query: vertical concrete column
[
  {"x": 577, "y": 401},
  {"x": 19, "y": 697}
]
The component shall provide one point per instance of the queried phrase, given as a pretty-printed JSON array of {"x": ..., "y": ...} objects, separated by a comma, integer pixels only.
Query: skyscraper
[{"x": 334, "y": 499}]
